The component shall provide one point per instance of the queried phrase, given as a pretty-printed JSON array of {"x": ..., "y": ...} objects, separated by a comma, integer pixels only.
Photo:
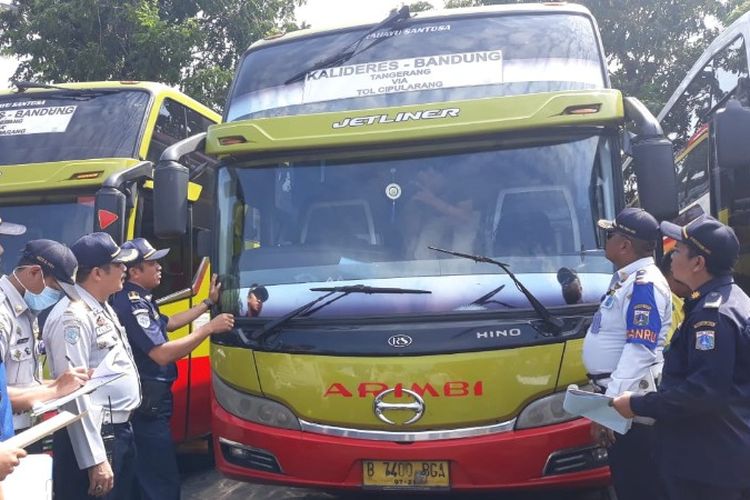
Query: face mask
[{"x": 38, "y": 302}]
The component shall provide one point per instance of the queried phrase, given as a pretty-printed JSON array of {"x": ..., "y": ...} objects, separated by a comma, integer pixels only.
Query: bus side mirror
[
  {"x": 653, "y": 161},
  {"x": 203, "y": 242},
  {"x": 109, "y": 210},
  {"x": 729, "y": 129},
  {"x": 170, "y": 199},
  {"x": 653, "y": 164},
  {"x": 171, "y": 180}
]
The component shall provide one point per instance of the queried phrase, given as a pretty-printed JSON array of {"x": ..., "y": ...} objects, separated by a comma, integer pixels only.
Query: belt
[
  {"x": 595, "y": 378},
  {"x": 116, "y": 417}
]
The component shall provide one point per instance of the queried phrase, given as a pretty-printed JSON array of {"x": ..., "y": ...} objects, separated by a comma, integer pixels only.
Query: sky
[{"x": 316, "y": 13}]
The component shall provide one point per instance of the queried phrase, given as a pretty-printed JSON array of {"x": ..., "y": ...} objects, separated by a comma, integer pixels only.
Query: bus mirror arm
[
  {"x": 179, "y": 149},
  {"x": 646, "y": 124},
  {"x": 140, "y": 171}
]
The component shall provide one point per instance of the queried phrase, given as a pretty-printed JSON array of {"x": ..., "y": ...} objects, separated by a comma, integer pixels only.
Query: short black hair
[
  {"x": 643, "y": 248},
  {"x": 712, "y": 267}
]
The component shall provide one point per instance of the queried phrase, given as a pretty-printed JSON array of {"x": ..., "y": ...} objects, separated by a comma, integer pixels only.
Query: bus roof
[
  {"x": 152, "y": 87},
  {"x": 740, "y": 27},
  {"x": 524, "y": 8}
]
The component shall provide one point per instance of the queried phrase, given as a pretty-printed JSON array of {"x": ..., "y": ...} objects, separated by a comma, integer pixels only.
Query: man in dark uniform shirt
[
  {"x": 155, "y": 356},
  {"x": 702, "y": 406}
]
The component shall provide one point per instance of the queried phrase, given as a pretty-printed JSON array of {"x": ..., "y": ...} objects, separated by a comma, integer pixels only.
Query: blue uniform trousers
[
  {"x": 72, "y": 483},
  {"x": 678, "y": 488},
  {"x": 633, "y": 465},
  {"x": 156, "y": 472}
]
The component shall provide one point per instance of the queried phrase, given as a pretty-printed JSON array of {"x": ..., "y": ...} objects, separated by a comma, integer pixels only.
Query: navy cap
[
  {"x": 566, "y": 276},
  {"x": 99, "y": 249},
  {"x": 145, "y": 250},
  {"x": 56, "y": 260},
  {"x": 11, "y": 228},
  {"x": 259, "y": 291},
  {"x": 712, "y": 239},
  {"x": 633, "y": 222}
]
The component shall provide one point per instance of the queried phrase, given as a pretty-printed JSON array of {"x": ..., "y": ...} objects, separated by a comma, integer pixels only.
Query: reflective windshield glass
[
  {"x": 292, "y": 226},
  {"x": 64, "y": 221},
  {"x": 70, "y": 125},
  {"x": 419, "y": 61}
]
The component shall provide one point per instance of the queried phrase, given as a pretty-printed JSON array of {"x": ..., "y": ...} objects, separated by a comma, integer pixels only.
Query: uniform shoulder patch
[
  {"x": 705, "y": 340},
  {"x": 713, "y": 301},
  {"x": 72, "y": 333},
  {"x": 134, "y": 296},
  {"x": 143, "y": 318}
]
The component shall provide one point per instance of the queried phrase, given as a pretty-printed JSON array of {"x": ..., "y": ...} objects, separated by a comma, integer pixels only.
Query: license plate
[{"x": 405, "y": 475}]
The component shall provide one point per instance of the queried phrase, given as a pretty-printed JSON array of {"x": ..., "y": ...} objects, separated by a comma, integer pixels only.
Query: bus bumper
[{"x": 555, "y": 456}]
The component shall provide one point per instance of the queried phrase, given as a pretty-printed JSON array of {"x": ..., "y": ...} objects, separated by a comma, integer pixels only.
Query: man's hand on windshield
[
  {"x": 221, "y": 323},
  {"x": 215, "y": 290}
]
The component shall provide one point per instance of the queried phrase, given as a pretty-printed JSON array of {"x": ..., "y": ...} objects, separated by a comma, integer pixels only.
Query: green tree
[
  {"x": 194, "y": 44},
  {"x": 420, "y": 6},
  {"x": 744, "y": 6}
]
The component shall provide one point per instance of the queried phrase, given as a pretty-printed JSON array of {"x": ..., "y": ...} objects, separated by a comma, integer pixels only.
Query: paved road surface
[{"x": 202, "y": 481}]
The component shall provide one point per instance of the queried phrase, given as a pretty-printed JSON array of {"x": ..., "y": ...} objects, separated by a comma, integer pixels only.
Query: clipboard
[
  {"x": 37, "y": 432},
  {"x": 88, "y": 388}
]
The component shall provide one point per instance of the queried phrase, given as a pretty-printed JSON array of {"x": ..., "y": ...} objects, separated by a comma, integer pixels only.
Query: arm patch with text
[{"x": 643, "y": 322}]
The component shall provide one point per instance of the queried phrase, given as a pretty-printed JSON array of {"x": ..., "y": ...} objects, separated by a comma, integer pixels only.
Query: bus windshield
[
  {"x": 71, "y": 124},
  {"x": 64, "y": 220},
  {"x": 419, "y": 61},
  {"x": 292, "y": 226}
]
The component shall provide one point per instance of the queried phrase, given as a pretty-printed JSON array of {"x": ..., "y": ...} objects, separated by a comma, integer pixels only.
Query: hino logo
[
  {"x": 416, "y": 406},
  {"x": 495, "y": 334},
  {"x": 399, "y": 341}
]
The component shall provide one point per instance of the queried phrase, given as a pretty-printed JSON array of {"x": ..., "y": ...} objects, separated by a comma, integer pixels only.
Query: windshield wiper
[
  {"x": 487, "y": 298},
  {"x": 307, "y": 309},
  {"x": 555, "y": 323},
  {"x": 76, "y": 93},
  {"x": 23, "y": 86},
  {"x": 350, "y": 50}
]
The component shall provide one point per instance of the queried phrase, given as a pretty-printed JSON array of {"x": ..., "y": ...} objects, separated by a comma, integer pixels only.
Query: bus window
[
  {"x": 171, "y": 126},
  {"x": 728, "y": 66}
]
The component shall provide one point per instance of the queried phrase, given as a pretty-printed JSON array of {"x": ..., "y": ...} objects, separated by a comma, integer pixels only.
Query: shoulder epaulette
[
  {"x": 640, "y": 277},
  {"x": 134, "y": 296},
  {"x": 713, "y": 301}
]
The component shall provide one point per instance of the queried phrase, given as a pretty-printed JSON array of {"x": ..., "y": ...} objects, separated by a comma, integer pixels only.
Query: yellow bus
[
  {"x": 76, "y": 158},
  {"x": 413, "y": 195}
]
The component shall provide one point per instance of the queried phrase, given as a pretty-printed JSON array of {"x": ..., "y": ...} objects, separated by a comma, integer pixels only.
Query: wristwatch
[{"x": 208, "y": 303}]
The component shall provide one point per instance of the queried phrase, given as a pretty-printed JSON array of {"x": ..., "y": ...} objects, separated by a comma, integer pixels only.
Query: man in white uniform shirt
[
  {"x": 96, "y": 455},
  {"x": 623, "y": 347},
  {"x": 44, "y": 273}
]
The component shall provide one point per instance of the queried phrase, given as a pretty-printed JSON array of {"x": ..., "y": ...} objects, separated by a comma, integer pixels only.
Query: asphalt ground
[{"x": 200, "y": 480}]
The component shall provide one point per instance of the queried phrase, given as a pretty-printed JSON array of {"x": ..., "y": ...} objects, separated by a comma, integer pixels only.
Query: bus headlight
[
  {"x": 253, "y": 408},
  {"x": 545, "y": 411}
]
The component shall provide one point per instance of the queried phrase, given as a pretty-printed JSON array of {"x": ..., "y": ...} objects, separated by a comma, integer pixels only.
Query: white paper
[
  {"x": 31, "y": 480},
  {"x": 44, "y": 120},
  {"x": 103, "y": 374},
  {"x": 463, "y": 69},
  {"x": 595, "y": 407}
]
